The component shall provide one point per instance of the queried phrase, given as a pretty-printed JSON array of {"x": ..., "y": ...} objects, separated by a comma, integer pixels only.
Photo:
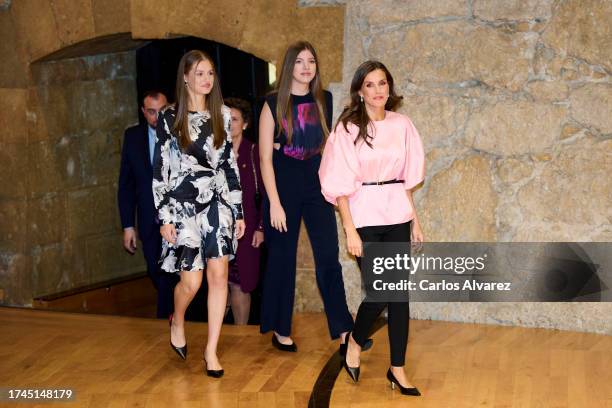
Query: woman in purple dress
[{"x": 244, "y": 271}]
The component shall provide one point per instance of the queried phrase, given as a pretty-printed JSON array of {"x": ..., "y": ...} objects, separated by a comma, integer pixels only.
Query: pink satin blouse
[{"x": 397, "y": 153}]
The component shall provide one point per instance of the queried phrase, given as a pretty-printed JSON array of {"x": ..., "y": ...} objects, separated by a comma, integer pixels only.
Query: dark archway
[{"x": 242, "y": 75}]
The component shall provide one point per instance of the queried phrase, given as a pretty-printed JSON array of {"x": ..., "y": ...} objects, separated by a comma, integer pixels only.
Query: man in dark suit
[{"x": 135, "y": 197}]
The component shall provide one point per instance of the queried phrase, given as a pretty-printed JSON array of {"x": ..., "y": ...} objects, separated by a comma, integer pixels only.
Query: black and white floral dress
[{"x": 197, "y": 190}]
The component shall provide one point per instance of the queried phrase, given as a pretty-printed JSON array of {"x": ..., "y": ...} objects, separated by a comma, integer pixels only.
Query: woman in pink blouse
[{"x": 372, "y": 161}]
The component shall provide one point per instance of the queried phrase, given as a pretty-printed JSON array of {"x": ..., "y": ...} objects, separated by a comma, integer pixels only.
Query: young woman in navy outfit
[{"x": 293, "y": 126}]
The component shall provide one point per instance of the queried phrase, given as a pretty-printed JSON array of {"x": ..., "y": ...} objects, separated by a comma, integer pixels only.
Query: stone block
[
  {"x": 13, "y": 115},
  {"x": 106, "y": 258},
  {"x": 305, "y": 258},
  {"x": 513, "y": 170},
  {"x": 569, "y": 130},
  {"x": 217, "y": 20},
  {"x": 384, "y": 12},
  {"x": 111, "y": 17},
  {"x": 52, "y": 112},
  {"x": 507, "y": 128},
  {"x": 548, "y": 91},
  {"x": 13, "y": 225},
  {"x": 512, "y": 9},
  {"x": 74, "y": 19},
  {"x": 454, "y": 52},
  {"x": 589, "y": 317},
  {"x": 574, "y": 188},
  {"x": 591, "y": 105},
  {"x": 74, "y": 261},
  {"x": 54, "y": 165},
  {"x": 90, "y": 68},
  {"x": 265, "y": 16},
  {"x": 582, "y": 28},
  {"x": 92, "y": 211},
  {"x": 105, "y": 104},
  {"x": 15, "y": 278},
  {"x": 15, "y": 167},
  {"x": 101, "y": 157},
  {"x": 354, "y": 51},
  {"x": 35, "y": 22},
  {"x": 149, "y": 18},
  {"x": 352, "y": 285},
  {"x": 35, "y": 120},
  {"x": 439, "y": 158},
  {"x": 46, "y": 222},
  {"x": 307, "y": 295},
  {"x": 470, "y": 214},
  {"x": 59, "y": 267},
  {"x": 13, "y": 72},
  {"x": 48, "y": 272},
  {"x": 436, "y": 118},
  {"x": 325, "y": 28}
]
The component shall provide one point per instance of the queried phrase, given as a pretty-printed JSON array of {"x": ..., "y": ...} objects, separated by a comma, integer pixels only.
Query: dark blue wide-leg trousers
[{"x": 297, "y": 182}]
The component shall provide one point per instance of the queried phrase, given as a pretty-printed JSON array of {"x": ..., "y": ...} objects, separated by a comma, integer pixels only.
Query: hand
[
  {"x": 354, "y": 245},
  {"x": 168, "y": 232},
  {"x": 240, "y": 227},
  {"x": 416, "y": 236},
  {"x": 278, "y": 219},
  {"x": 258, "y": 238},
  {"x": 129, "y": 239}
]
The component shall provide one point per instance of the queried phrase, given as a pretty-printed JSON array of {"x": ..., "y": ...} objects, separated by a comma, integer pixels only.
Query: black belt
[{"x": 380, "y": 183}]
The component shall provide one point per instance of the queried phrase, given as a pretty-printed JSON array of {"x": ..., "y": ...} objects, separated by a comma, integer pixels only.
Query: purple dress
[{"x": 245, "y": 268}]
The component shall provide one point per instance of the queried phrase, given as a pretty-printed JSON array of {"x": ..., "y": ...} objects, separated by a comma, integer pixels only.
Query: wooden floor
[{"x": 127, "y": 362}]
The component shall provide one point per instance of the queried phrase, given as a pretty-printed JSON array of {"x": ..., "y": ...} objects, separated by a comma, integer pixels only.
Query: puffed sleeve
[
  {"x": 339, "y": 172},
  {"x": 166, "y": 166},
  {"x": 230, "y": 167},
  {"x": 414, "y": 163}
]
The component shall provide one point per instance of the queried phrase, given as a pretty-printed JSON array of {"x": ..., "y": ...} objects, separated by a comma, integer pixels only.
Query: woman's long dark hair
[
  {"x": 283, "y": 98},
  {"x": 356, "y": 112},
  {"x": 214, "y": 101}
]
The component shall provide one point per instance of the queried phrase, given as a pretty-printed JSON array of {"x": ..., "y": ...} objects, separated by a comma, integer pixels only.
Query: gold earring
[{"x": 361, "y": 98}]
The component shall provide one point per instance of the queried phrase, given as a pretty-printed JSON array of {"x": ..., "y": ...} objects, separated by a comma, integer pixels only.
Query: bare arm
[
  {"x": 353, "y": 240},
  {"x": 266, "y": 149},
  {"x": 266, "y": 146}
]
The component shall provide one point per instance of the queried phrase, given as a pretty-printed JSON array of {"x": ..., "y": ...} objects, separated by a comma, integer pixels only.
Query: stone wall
[
  {"x": 513, "y": 100},
  {"x": 65, "y": 163}
]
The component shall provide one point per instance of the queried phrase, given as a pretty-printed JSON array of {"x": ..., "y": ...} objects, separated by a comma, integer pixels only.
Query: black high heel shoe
[
  {"x": 181, "y": 351},
  {"x": 366, "y": 346},
  {"x": 292, "y": 348},
  {"x": 405, "y": 391},
  {"x": 213, "y": 373},
  {"x": 353, "y": 372}
]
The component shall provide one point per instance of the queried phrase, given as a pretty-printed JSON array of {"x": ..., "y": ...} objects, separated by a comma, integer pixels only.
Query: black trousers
[
  {"x": 398, "y": 312},
  {"x": 299, "y": 189}
]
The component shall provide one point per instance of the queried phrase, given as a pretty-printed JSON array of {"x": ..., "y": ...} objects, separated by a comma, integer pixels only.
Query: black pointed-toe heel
[
  {"x": 353, "y": 372},
  {"x": 181, "y": 351},
  {"x": 366, "y": 346},
  {"x": 292, "y": 348},
  {"x": 405, "y": 391},
  {"x": 213, "y": 373}
]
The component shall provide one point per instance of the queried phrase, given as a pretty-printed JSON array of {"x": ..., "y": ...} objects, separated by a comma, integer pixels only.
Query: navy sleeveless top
[{"x": 307, "y": 137}]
